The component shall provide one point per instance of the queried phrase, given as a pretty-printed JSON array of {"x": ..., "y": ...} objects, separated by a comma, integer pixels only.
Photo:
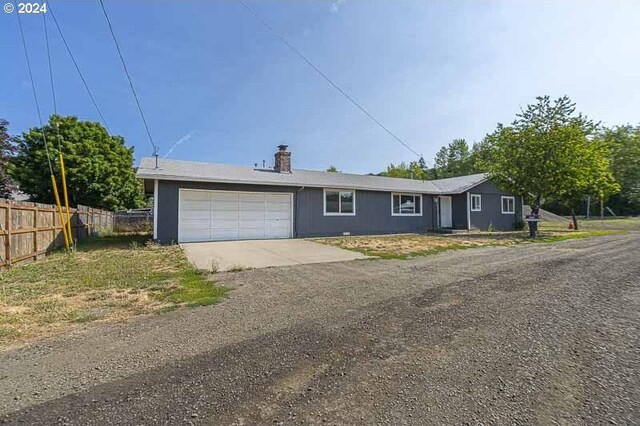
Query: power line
[
  {"x": 53, "y": 87},
  {"x": 46, "y": 38},
  {"x": 75, "y": 64},
  {"x": 35, "y": 95},
  {"x": 324, "y": 76},
  {"x": 126, "y": 71}
]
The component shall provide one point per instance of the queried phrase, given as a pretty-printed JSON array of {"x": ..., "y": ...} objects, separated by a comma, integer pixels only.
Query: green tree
[
  {"x": 549, "y": 152},
  {"x": 454, "y": 160},
  {"x": 6, "y": 152},
  {"x": 99, "y": 167},
  {"x": 625, "y": 166},
  {"x": 333, "y": 169},
  {"x": 414, "y": 170},
  {"x": 480, "y": 154}
]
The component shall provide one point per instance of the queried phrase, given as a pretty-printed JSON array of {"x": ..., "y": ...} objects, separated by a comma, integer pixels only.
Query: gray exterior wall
[
  {"x": 168, "y": 202},
  {"x": 491, "y": 212},
  {"x": 373, "y": 211},
  {"x": 373, "y": 216},
  {"x": 459, "y": 211}
]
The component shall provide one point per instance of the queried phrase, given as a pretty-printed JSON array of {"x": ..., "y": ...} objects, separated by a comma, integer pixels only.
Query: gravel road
[{"x": 532, "y": 334}]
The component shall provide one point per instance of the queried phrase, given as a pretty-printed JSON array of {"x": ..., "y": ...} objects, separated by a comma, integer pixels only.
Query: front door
[{"x": 445, "y": 212}]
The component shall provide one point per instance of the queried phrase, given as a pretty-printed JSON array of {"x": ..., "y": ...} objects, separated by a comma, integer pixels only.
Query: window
[
  {"x": 406, "y": 205},
  {"x": 338, "y": 202},
  {"x": 508, "y": 205},
  {"x": 476, "y": 203}
]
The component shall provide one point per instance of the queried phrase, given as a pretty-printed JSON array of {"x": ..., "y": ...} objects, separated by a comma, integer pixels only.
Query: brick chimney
[{"x": 283, "y": 160}]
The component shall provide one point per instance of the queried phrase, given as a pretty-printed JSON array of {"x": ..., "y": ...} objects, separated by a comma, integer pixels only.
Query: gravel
[{"x": 544, "y": 333}]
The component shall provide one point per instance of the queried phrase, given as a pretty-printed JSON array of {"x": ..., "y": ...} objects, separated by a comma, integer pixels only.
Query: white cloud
[
  {"x": 180, "y": 141},
  {"x": 335, "y": 5}
]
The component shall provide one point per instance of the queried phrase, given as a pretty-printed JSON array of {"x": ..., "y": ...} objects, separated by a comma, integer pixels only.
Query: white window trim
[
  {"x": 340, "y": 191},
  {"x": 411, "y": 195},
  {"x": 513, "y": 199},
  {"x": 479, "y": 209}
]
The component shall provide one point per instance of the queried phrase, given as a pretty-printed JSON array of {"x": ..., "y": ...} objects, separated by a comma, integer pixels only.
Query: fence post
[
  {"x": 35, "y": 232},
  {"x": 8, "y": 241}
]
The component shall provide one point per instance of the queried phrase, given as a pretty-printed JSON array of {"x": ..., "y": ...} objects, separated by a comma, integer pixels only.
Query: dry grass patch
[
  {"x": 411, "y": 245},
  {"x": 108, "y": 279},
  {"x": 408, "y": 245}
]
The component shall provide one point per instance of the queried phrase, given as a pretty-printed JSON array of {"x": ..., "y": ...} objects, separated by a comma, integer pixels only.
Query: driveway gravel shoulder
[{"x": 527, "y": 334}]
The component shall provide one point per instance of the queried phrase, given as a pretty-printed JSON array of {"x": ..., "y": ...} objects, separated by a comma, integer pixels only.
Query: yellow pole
[
  {"x": 64, "y": 226},
  {"x": 66, "y": 199}
]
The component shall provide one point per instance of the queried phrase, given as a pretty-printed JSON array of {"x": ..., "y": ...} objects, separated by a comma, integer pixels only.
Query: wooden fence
[
  {"x": 133, "y": 221},
  {"x": 29, "y": 230}
]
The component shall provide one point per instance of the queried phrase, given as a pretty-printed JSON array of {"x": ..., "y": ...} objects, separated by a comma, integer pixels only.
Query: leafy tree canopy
[
  {"x": 414, "y": 170},
  {"x": 333, "y": 169},
  {"x": 549, "y": 152},
  {"x": 99, "y": 167},
  {"x": 6, "y": 151},
  {"x": 625, "y": 166},
  {"x": 455, "y": 159}
]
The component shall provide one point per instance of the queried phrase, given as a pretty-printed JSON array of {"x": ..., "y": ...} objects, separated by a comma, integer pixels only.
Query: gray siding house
[{"x": 208, "y": 202}]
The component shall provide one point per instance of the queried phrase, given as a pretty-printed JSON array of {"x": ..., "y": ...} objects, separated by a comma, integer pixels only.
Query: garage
[{"x": 206, "y": 215}]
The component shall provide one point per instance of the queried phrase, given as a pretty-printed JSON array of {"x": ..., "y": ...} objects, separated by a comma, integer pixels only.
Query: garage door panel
[
  {"x": 252, "y": 215},
  {"x": 224, "y": 234},
  {"x": 277, "y": 233},
  {"x": 212, "y": 215},
  {"x": 246, "y": 206},
  {"x": 195, "y": 205},
  {"x": 224, "y": 205},
  {"x": 277, "y": 225},
  {"x": 250, "y": 197},
  {"x": 283, "y": 198},
  {"x": 252, "y": 234},
  {"x": 195, "y": 195},
  {"x": 225, "y": 224},
  {"x": 276, "y": 215},
  {"x": 224, "y": 196},
  {"x": 251, "y": 223},
  {"x": 194, "y": 214},
  {"x": 225, "y": 215}
]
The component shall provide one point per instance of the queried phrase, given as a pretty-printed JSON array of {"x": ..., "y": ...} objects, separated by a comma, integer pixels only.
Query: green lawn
[{"x": 110, "y": 278}]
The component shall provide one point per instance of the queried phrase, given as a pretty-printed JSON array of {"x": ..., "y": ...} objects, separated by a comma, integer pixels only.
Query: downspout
[{"x": 295, "y": 212}]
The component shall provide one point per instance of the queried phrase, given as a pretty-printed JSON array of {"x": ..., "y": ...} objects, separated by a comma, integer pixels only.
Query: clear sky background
[{"x": 210, "y": 75}]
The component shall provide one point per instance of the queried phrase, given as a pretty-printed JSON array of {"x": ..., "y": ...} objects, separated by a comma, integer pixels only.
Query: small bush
[
  {"x": 490, "y": 228},
  {"x": 519, "y": 225}
]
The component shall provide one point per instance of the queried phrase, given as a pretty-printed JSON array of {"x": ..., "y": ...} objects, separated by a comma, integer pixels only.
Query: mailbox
[{"x": 532, "y": 220}]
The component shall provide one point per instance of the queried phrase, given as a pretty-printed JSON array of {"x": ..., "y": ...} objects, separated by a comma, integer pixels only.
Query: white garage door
[{"x": 226, "y": 215}]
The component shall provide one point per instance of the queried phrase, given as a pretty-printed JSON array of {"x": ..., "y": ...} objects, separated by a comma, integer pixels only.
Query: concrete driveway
[{"x": 226, "y": 255}]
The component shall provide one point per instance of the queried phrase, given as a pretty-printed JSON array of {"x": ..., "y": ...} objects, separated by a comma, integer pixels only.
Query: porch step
[{"x": 450, "y": 231}]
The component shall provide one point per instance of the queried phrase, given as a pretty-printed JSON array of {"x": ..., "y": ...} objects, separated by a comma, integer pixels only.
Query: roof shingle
[{"x": 213, "y": 172}]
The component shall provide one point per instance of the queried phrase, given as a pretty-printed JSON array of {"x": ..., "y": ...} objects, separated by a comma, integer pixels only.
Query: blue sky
[{"x": 209, "y": 75}]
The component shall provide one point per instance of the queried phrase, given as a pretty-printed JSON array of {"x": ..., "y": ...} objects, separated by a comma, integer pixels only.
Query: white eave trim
[
  {"x": 290, "y": 184},
  {"x": 159, "y": 176}
]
